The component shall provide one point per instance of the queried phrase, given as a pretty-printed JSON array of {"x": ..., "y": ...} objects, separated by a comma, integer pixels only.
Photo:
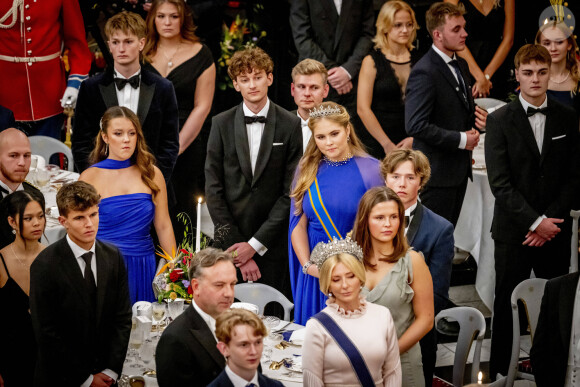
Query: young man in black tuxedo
[
  {"x": 252, "y": 152},
  {"x": 532, "y": 154},
  {"x": 79, "y": 299},
  {"x": 148, "y": 95}
]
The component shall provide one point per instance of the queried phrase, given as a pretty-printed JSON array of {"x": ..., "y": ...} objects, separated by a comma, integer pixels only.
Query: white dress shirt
[
  {"x": 128, "y": 96},
  {"x": 448, "y": 59},
  {"x": 408, "y": 213},
  {"x": 306, "y": 132},
  {"x": 238, "y": 381},
  {"x": 210, "y": 321},
  {"x": 338, "y": 5},
  {"x": 3, "y": 185},
  {"x": 78, "y": 252},
  {"x": 573, "y": 370}
]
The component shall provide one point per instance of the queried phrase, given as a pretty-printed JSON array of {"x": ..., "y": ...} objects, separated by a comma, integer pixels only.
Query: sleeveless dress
[
  {"x": 394, "y": 291},
  {"x": 566, "y": 98},
  {"x": 18, "y": 353},
  {"x": 341, "y": 203},
  {"x": 125, "y": 222}
]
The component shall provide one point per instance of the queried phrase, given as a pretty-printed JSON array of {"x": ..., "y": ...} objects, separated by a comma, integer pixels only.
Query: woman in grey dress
[{"x": 397, "y": 277}]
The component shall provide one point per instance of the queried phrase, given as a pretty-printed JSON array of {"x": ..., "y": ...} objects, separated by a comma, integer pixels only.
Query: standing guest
[
  {"x": 148, "y": 95},
  {"x": 439, "y": 112},
  {"x": 187, "y": 353},
  {"x": 555, "y": 353},
  {"x": 79, "y": 299},
  {"x": 6, "y": 118},
  {"x": 322, "y": 206},
  {"x": 240, "y": 335},
  {"x": 133, "y": 197},
  {"x": 338, "y": 34},
  {"x": 25, "y": 214},
  {"x": 383, "y": 79},
  {"x": 33, "y": 38},
  {"x": 397, "y": 277},
  {"x": 252, "y": 153},
  {"x": 406, "y": 172},
  {"x": 14, "y": 165},
  {"x": 348, "y": 321},
  {"x": 309, "y": 88},
  {"x": 532, "y": 153},
  {"x": 177, "y": 55},
  {"x": 491, "y": 27},
  {"x": 564, "y": 70}
]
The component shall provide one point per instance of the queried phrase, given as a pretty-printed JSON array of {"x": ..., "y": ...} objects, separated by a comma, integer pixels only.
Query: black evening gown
[
  {"x": 188, "y": 175},
  {"x": 18, "y": 351}
]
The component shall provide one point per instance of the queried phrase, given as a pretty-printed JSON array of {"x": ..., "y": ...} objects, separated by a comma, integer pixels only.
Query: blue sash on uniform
[{"x": 321, "y": 212}]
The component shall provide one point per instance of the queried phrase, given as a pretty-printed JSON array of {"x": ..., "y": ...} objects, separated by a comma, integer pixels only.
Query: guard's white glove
[{"x": 69, "y": 98}]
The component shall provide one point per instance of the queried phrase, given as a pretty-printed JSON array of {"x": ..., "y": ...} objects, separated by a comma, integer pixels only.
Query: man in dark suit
[
  {"x": 187, "y": 353},
  {"x": 439, "y": 112},
  {"x": 148, "y": 95},
  {"x": 339, "y": 37},
  {"x": 252, "y": 152},
  {"x": 406, "y": 172},
  {"x": 240, "y": 335},
  {"x": 553, "y": 341},
  {"x": 79, "y": 299},
  {"x": 14, "y": 165},
  {"x": 532, "y": 154}
]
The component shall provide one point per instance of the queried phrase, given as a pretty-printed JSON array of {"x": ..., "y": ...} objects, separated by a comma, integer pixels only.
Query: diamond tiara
[
  {"x": 324, "y": 111},
  {"x": 322, "y": 251}
]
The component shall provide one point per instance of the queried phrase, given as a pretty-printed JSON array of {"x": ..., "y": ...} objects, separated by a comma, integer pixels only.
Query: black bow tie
[
  {"x": 252, "y": 119},
  {"x": 133, "y": 81},
  {"x": 408, "y": 217},
  {"x": 531, "y": 111}
]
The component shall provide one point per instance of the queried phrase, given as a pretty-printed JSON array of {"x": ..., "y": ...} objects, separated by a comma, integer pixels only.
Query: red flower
[
  {"x": 175, "y": 275},
  {"x": 189, "y": 290}
]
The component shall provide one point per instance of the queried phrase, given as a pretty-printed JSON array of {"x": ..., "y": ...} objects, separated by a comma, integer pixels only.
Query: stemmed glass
[
  {"x": 175, "y": 308},
  {"x": 147, "y": 354},
  {"x": 135, "y": 342},
  {"x": 272, "y": 322},
  {"x": 158, "y": 314},
  {"x": 42, "y": 178}
]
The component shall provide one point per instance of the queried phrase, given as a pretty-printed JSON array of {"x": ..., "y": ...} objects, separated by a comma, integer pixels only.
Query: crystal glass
[
  {"x": 42, "y": 178},
  {"x": 175, "y": 308},
  {"x": 148, "y": 353},
  {"x": 271, "y": 322},
  {"x": 135, "y": 342},
  {"x": 159, "y": 311}
]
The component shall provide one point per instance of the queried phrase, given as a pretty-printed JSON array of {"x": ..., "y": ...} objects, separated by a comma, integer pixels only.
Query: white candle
[
  {"x": 479, "y": 377},
  {"x": 198, "y": 227}
]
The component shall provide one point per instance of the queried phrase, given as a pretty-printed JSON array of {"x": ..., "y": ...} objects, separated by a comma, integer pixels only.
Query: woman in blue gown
[
  {"x": 133, "y": 196},
  {"x": 332, "y": 176}
]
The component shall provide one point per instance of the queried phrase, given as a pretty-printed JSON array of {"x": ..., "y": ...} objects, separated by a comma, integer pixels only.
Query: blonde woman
[{"x": 332, "y": 176}]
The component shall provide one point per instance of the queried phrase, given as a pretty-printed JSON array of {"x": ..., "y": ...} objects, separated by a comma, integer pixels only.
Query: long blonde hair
[{"x": 308, "y": 165}]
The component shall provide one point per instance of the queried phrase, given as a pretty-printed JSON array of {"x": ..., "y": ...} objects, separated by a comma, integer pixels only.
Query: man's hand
[
  {"x": 250, "y": 271},
  {"x": 480, "y": 117},
  {"x": 101, "y": 380},
  {"x": 533, "y": 240},
  {"x": 547, "y": 228},
  {"x": 406, "y": 143},
  {"x": 345, "y": 89},
  {"x": 338, "y": 78},
  {"x": 242, "y": 253},
  {"x": 472, "y": 139}
]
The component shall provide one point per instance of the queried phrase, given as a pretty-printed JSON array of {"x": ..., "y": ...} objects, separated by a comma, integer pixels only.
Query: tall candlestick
[{"x": 198, "y": 227}]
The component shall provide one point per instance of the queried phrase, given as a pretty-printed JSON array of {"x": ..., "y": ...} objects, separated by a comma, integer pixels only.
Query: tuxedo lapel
[
  {"x": 415, "y": 223},
  {"x": 72, "y": 271},
  {"x": 108, "y": 91},
  {"x": 523, "y": 128},
  {"x": 203, "y": 335},
  {"x": 448, "y": 75},
  {"x": 242, "y": 143},
  {"x": 550, "y": 128},
  {"x": 102, "y": 278},
  {"x": 330, "y": 11},
  {"x": 265, "y": 143},
  {"x": 146, "y": 92},
  {"x": 342, "y": 20}
]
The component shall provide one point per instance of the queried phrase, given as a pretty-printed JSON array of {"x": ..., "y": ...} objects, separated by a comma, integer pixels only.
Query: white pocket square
[
  {"x": 559, "y": 137},
  {"x": 277, "y": 144}
]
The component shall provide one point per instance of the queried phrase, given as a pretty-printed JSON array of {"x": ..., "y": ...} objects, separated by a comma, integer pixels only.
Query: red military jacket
[{"x": 33, "y": 90}]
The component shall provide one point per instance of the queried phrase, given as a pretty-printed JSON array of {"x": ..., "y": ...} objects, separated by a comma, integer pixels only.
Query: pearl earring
[
  {"x": 330, "y": 294},
  {"x": 14, "y": 231}
]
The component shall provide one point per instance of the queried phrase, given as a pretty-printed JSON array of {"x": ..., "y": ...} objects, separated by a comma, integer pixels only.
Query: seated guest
[
  {"x": 309, "y": 87},
  {"x": 133, "y": 197},
  {"x": 14, "y": 165},
  {"x": 187, "y": 353},
  {"x": 240, "y": 335},
  {"x": 406, "y": 172},
  {"x": 348, "y": 321},
  {"x": 25, "y": 212},
  {"x": 555, "y": 353},
  {"x": 79, "y": 299},
  {"x": 6, "y": 118},
  {"x": 148, "y": 95},
  {"x": 397, "y": 276}
]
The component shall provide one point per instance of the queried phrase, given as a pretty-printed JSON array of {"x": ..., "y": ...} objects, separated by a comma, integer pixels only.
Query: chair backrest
[
  {"x": 47, "y": 146},
  {"x": 471, "y": 327},
  {"x": 260, "y": 295},
  {"x": 575, "y": 214}
]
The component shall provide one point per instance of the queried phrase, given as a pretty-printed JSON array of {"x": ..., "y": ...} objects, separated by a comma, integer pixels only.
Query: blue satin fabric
[{"x": 113, "y": 164}]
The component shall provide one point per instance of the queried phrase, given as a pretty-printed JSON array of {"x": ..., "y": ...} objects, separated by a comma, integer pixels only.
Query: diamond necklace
[
  {"x": 336, "y": 163},
  {"x": 19, "y": 260}
]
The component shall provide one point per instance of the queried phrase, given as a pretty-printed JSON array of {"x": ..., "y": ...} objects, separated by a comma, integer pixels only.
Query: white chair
[
  {"x": 471, "y": 327},
  {"x": 574, "y": 259},
  {"x": 260, "y": 295},
  {"x": 47, "y": 146}
]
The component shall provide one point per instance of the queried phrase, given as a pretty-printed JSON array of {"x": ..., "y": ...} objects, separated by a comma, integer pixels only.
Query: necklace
[
  {"x": 170, "y": 59},
  {"x": 562, "y": 81},
  {"x": 337, "y": 163},
  {"x": 22, "y": 263}
]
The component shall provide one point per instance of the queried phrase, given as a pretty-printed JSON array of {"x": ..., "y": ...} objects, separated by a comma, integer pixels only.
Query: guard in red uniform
[{"x": 33, "y": 34}]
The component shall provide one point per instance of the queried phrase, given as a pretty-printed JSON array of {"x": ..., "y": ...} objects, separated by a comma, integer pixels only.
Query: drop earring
[{"x": 106, "y": 149}]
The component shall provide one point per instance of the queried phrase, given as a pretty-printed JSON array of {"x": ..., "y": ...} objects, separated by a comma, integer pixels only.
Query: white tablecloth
[{"x": 54, "y": 231}]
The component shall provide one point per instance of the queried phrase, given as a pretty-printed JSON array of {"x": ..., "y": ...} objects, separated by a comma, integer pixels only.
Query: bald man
[{"x": 14, "y": 165}]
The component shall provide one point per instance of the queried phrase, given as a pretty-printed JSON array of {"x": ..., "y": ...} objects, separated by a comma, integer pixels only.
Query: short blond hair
[
  {"x": 420, "y": 162},
  {"x": 352, "y": 264},
  {"x": 309, "y": 67},
  {"x": 438, "y": 13},
  {"x": 128, "y": 23},
  {"x": 228, "y": 320}
]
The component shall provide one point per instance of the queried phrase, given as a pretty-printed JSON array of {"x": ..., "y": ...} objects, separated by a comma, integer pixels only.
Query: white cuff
[
  {"x": 347, "y": 73},
  {"x": 537, "y": 223},
  {"x": 88, "y": 382},
  {"x": 110, "y": 373},
  {"x": 462, "y": 140},
  {"x": 259, "y": 247}
]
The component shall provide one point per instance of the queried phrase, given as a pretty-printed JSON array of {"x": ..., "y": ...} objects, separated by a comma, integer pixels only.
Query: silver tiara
[
  {"x": 324, "y": 111},
  {"x": 322, "y": 251}
]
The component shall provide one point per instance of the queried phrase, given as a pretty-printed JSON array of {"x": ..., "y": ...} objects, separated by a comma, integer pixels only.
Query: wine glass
[
  {"x": 158, "y": 314},
  {"x": 135, "y": 342},
  {"x": 42, "y": 178},
  {"x": 147, "y": 354},
  {"x": 272, "y": 322},
  {"x": 175, "y": 308}
]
